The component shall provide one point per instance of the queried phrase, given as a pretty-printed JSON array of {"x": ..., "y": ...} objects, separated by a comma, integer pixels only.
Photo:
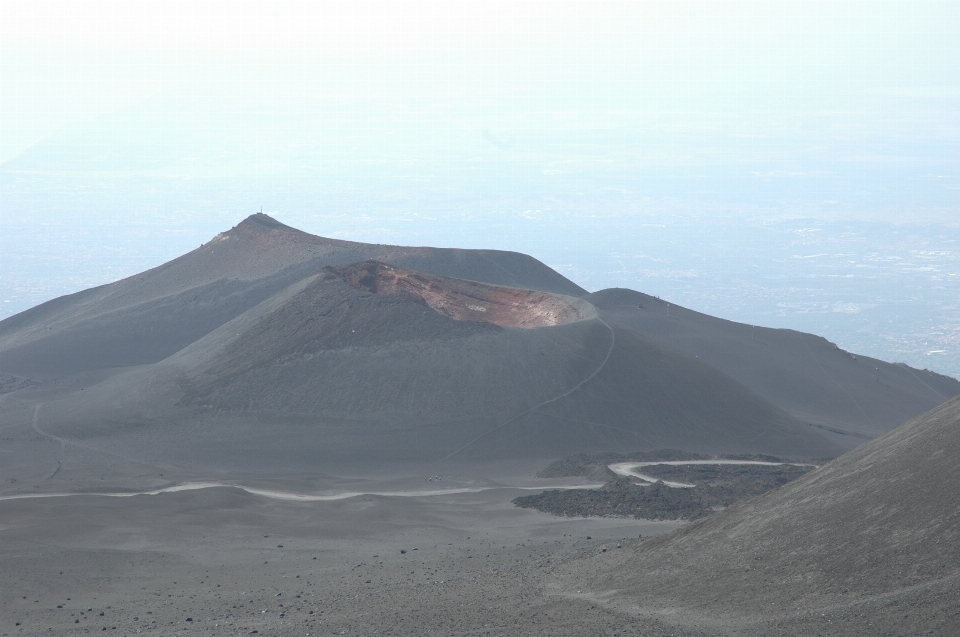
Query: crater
[{"x": 463, "y": 300}]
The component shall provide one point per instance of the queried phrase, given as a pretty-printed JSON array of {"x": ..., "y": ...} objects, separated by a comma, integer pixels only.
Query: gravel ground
[{"x": 224, "y": 562}]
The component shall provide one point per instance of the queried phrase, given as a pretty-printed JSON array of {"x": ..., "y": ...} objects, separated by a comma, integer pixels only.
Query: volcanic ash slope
[
  {"x": 869, "y": 544},
  {"x": 147, "y": 317},
  {"x": 849, "y": 397},
  {"x": 373, "y": 363}
]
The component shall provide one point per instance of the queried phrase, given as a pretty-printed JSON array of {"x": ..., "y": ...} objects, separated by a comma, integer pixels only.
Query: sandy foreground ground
[{"x": 222, "y": 561}]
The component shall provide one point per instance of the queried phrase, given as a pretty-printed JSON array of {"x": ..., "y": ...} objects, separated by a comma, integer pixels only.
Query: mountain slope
[
  {"x": 421, "y": 353},
  {"x": 328, "y": 371},
  {"x": 149, "y": 316},
  {"x": 855, "y": 396},
  {"x": 868, "y": 544}
]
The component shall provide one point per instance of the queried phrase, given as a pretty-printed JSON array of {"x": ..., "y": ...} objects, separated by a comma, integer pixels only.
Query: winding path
[
  {"x": 630, "y": 469},
  {"x": 64, "y": 442},
  {"x": 291, "y": 496}
]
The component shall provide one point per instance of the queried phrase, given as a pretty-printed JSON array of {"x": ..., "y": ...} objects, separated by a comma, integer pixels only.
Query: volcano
[{"x": 269, "y": 349}]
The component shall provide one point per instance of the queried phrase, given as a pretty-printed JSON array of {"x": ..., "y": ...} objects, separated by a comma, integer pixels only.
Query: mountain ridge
[
  {"x": 216, "y": 282},
  {"x": 267, "y": 330}
]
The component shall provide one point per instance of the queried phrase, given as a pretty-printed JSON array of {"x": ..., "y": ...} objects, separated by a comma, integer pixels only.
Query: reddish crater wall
[{"x": 467, "y": 300}]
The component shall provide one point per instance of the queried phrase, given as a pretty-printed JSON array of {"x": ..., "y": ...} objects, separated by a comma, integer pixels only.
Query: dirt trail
[
  {"x": 630, "y": 468},
  {"x": 293, "y": 496}
]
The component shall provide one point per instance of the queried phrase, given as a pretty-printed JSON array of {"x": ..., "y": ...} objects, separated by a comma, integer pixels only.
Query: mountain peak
[
  {"x": 264, "y": 229},
  {"x": 260, "y": 219}
]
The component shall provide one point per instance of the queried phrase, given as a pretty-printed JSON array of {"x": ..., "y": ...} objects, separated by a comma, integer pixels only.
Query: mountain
[
  {"x": 269, "y": 349},
  {"x": 149, "y": 316},
  {"x": 371, "y": 364},
  {"x": 851, "y": 398},
  {"x": 865, "y": 545}
]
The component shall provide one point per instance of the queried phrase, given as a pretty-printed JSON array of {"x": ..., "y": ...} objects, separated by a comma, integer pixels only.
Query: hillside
[
  {"x": 149, "y": 316},
  {"x": 269, "y": 347},
  {"x": 328, "y": 371},
  {"x": 868, "y": 544},
  {"x": 852, "y": 397}
]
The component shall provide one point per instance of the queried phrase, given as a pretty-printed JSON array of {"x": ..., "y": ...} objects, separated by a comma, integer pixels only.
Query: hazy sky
[{"x": 756, "y": 67}]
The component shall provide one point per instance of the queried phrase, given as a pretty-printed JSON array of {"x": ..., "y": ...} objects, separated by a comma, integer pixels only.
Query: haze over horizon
[{"x": 788, "y": 164}]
